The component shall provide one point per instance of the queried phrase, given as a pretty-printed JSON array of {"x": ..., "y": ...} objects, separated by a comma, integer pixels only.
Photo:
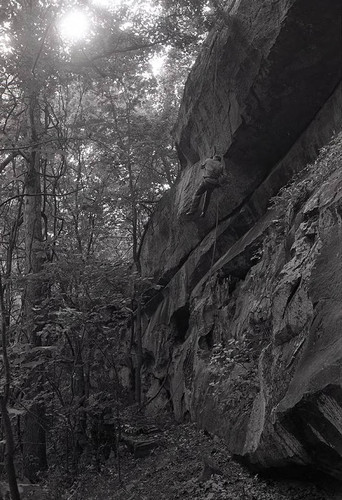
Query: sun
[
  {"x": 74, "y": 26},
  {"x": 157, "y": 64}
]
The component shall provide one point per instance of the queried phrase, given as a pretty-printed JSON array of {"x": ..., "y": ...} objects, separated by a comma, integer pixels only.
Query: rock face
[
  {"x": 245, "y": 336},
  {"x": 262, "y": 78},
  {"x": 267, "y": 350}
]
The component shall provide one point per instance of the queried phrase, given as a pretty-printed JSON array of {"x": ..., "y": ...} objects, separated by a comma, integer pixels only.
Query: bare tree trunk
[
  {"x": 6, "y": 422},
  {"x": 139, "y": 353},
  {"x": 79, "y": 393},
  {"x": 34, "y": 445},
  {"x": 133, "y": 197},
  {"x": 9, "y": 455}
]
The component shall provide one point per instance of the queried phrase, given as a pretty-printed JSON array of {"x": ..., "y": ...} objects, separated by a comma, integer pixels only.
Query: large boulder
[{"x": 244, "y": 336}]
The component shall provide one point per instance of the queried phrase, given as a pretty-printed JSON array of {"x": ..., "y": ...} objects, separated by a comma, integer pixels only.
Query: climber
[{"x": 213, "y": 173}]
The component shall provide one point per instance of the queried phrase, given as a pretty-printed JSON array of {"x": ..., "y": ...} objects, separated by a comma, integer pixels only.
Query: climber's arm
[{"x": 223, "y": 179}]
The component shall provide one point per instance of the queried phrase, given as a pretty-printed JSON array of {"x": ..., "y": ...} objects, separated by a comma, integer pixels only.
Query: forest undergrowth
[{"x": 188, "y": 464}]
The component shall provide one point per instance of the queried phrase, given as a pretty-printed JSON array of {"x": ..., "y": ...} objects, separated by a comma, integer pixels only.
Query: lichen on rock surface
[{"x": 245, "y": 335}]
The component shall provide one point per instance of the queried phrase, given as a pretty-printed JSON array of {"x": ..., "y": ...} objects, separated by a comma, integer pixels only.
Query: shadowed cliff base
[{"x": 192, "y": 465}]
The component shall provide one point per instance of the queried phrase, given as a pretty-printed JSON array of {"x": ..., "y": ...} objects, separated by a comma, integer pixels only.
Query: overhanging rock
[{"x": 257, "y": 85}]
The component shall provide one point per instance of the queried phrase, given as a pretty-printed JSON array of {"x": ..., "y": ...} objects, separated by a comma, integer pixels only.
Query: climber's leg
[
  {"x": 206, "y": 200},
  {"x": 197, "y": 198}
]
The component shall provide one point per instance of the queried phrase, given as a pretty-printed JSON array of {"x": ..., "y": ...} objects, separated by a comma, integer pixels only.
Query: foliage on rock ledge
[{"x": 302, "y": 185}]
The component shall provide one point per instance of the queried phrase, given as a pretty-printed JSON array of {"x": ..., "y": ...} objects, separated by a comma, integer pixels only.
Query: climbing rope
[
  {"x": 215, "y": 241},
  {"x": 214, "y": 128},
  {"x": 225, "y": 16},
  {"x": 214, "y": 121}
]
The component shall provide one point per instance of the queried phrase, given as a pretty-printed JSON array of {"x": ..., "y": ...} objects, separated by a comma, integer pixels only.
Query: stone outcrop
[
  {"x": 244, "y": 336},
  {"x": 260, "y": 81},
  {"x": 267, "y": 370}
]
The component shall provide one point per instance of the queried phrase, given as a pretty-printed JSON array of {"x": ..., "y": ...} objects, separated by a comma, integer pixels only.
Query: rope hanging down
[
  {"x": 215, "y": 241},
  {"x": 214, "y": 111},
  {"x": 225, "y": 14}
]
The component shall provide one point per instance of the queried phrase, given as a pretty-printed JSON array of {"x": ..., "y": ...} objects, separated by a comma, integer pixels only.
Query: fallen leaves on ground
[{"x": 189, "y": 465}]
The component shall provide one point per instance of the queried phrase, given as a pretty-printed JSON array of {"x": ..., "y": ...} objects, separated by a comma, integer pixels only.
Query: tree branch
[
  {"x": 8, "y": 160},
  {"x": 108, "y": 53},
  {"x": 38, "y": 194}
]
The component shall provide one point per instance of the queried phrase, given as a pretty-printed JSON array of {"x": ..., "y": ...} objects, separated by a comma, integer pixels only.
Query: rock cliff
[{"x": 245, "y": 335}]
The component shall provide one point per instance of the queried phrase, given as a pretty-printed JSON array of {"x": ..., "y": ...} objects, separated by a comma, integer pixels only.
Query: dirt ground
[{"x": 187, "y": 464}]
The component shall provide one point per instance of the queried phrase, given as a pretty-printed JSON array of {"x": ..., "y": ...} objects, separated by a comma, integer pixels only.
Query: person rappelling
[{"x": 212, "y": 178}]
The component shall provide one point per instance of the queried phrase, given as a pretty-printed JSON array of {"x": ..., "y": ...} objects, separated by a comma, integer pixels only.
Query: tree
[
  {"x": 4, "y": 399},
  {"x": 85, "y": 155}
]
